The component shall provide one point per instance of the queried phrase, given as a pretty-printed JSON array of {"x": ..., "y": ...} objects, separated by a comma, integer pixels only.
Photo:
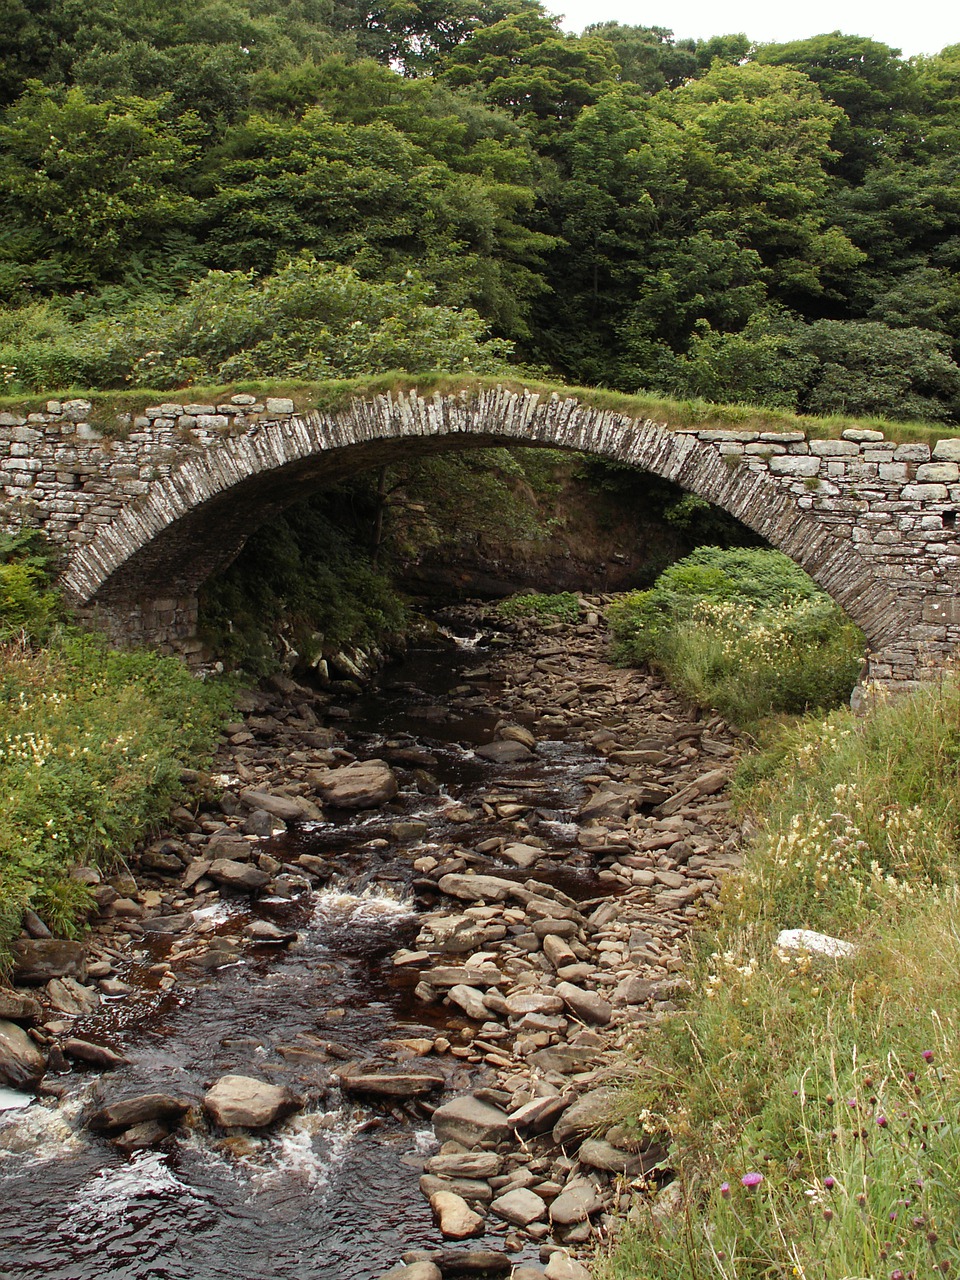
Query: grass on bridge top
[{"x": 337, "y": 394}]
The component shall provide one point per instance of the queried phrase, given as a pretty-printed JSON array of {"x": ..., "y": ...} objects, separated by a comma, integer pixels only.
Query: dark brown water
[{"x": 332, "y": 1194}]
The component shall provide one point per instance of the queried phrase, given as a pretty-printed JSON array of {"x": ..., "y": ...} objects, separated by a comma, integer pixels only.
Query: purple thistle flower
[
  {"x": 882, "y": 1121},
  {"x": 829, "y": 1182},
  {"x": 725, "y": 1190},
  {"x": 752, "y": 1179},
  {"x": 927, "y": 1055}
]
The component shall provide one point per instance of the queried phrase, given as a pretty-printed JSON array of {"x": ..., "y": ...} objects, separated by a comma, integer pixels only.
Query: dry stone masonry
[{"x": 146, "y": 512}]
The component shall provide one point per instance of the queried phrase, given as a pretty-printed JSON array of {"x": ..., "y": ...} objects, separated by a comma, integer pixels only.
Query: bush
[{"x": 744, "y": 630}]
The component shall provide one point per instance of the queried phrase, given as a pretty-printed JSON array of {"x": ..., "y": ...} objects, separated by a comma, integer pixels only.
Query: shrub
[{"x": 744, "y": 630}]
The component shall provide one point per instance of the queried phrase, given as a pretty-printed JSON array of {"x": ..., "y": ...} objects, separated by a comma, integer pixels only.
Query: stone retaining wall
[{"x": 148, "y": 511}]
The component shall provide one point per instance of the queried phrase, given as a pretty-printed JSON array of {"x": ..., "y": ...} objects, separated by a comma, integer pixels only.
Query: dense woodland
[{"x": 224, "y": 189}]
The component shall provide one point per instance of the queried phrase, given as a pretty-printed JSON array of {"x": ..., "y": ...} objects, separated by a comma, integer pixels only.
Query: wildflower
[
  {"x": 752, "y": 1179},
  {"x": 828, "y": 1215},
  {"x": 725, "y": 1190},
  {"x": 829, "y": 1182},
  {"x": 927, "y": 1055},
  {"x": 882, "y": 1121}
]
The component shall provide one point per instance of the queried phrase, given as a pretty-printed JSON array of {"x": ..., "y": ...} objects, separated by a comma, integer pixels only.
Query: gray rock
[
  {"x": 575, "y": 1203},
  {"x": 522, "y": 855},
  {"x": 17, "y": 1007},
  {"x": 287, "y": 808},
  {"x": 471, "y": 1122},
  {"x": 37, "y": 960},
  {"x": 415, "y": 1271},
  {"x": 469, "y": 1164},
  {"x": 395, "y": 1084},
  {"x": 237, "y": 875},
  {"x": 562, "y": 1267},
  {"x": 504, "y": 752},
  {"x": 585, "y": 1005},
  {"x": 587, "y": 1115},
  {"x": 599, "y": 1154},
  {"x": 129, "y": 1112},
  {"x": 473, "y": 1190},
  {"x": 168, "y": 924},
  {"x": 520, "y": 1206},
  {"x": 21, "y": 1062},
  {"x": 364, "y": 784},
  {"x": 249, "y": 1103},
  {"x": 68, "y": 996},
  {"x": 470, "y": 1000}
]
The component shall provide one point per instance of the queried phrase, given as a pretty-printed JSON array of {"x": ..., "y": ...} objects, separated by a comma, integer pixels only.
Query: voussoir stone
[
  {"x": 249, "y": 1103},
  {"x": 21, "y": 1062},
  {"x": 364, "y": 784}
]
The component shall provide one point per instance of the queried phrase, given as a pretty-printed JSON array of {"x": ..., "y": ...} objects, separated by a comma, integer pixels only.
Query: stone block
[
  {"x": 280, "y": 405},
  {"x": 861, "y": 435},
  {"x": 912, "y": 453},
  {"x": 925, "y": 492},
  {"x": 947, "y": 450},
  {"x": 782, "y": 437},
  {"x": 794, "y": 466},
  {"x": 938, "y": 472},
  {"x": 834, "y": 448}
]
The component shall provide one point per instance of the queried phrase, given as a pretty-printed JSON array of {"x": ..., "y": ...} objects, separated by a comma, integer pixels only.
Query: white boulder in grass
[{"x": 819, "y": 944}]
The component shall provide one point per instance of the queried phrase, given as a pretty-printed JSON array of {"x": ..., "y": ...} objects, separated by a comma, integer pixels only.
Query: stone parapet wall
[{"x": 146, "y": 510}]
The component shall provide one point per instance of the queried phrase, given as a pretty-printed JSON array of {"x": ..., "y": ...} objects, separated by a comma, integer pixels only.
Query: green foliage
[
  {"x": 534, "y": 607},
  {"x": 310, "y": 320},
  {"x": 303, "y": 584},
  {"x": 744, "y": 630},
  {"x": 91, "y": 747},
  {"x": 28, "y": 606},
  {"x": 835, "y": 1079}
]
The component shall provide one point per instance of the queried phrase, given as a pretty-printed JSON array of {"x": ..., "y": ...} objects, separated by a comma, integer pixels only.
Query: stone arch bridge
[{"x": 146, "y": 514}]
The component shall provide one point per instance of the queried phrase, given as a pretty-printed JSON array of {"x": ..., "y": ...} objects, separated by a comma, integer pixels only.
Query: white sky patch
[{"x": 924, "y": 27}]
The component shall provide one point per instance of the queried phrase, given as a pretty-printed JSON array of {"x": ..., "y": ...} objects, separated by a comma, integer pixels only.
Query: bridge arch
[{"x": 880, "y": 545}]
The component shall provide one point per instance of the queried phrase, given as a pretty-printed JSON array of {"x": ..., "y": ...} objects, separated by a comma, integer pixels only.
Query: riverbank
[{"x": 540, "y": 923}]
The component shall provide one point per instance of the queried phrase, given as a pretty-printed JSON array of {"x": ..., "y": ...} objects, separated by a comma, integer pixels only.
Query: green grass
[
  {"x": 744, "y": 630},
  {"x": 536, "y": 607},
  {"x": 837, "y": 1080},
  {"x": 336, "y": 395}
]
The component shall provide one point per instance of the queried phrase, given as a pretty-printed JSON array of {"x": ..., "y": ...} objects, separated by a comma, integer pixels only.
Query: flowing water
[{"x": 332, "y": 1193}]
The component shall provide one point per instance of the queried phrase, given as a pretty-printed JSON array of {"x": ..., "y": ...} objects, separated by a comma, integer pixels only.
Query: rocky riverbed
[{"x": 449, "y": 929}]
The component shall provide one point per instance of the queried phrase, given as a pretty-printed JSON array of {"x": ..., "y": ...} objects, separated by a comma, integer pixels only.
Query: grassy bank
[
  {"x": 744, "y": 630},
  {"x": 812, "y": 1103},
  {"x": 92, "y": 743}
]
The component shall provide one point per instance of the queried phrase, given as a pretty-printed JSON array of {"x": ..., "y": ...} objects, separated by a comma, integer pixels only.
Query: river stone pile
[{"x": 543, "y": 992}]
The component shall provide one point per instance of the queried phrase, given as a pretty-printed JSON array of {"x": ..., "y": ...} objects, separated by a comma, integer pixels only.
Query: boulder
[
  {"x": 587, "y": 1115},
  {"x": 520, "y": 1206},
  {"x": 98, "y": 1055},
  {"x": 17, "y": 1007},
  {"x": 287, "y": 808},
  {"x": 21, "y": 1062},
  {"x": 456, "y": 1219},
  {"x": 237, "y": 875},
  {"x": 470, "y": 1000},
  {"x": 599, "y": 1154},
  {"x": 364, "y": 784},
  {"x": 471, "y": 1122},
  {"x": 585, "y": 1005},
  {"x": 504, "y": 752},
  {"x": 522, "y": 855},
  {"x": 391, "y": 1084},
  {"x": 415, "y": 1271},
  {"x": 129, "y": 1112},
  {"x": 562, "y": 1267},
  {"x": 249, "y": 1103},
  {"x": 469, "y": 1164},
  {"x": 575, "y": 1203},
  {"x": 37, "y": 960}
]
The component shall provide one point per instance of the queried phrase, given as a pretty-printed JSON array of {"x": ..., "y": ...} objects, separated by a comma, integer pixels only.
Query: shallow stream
[{"x": 332, "y": 1194}]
